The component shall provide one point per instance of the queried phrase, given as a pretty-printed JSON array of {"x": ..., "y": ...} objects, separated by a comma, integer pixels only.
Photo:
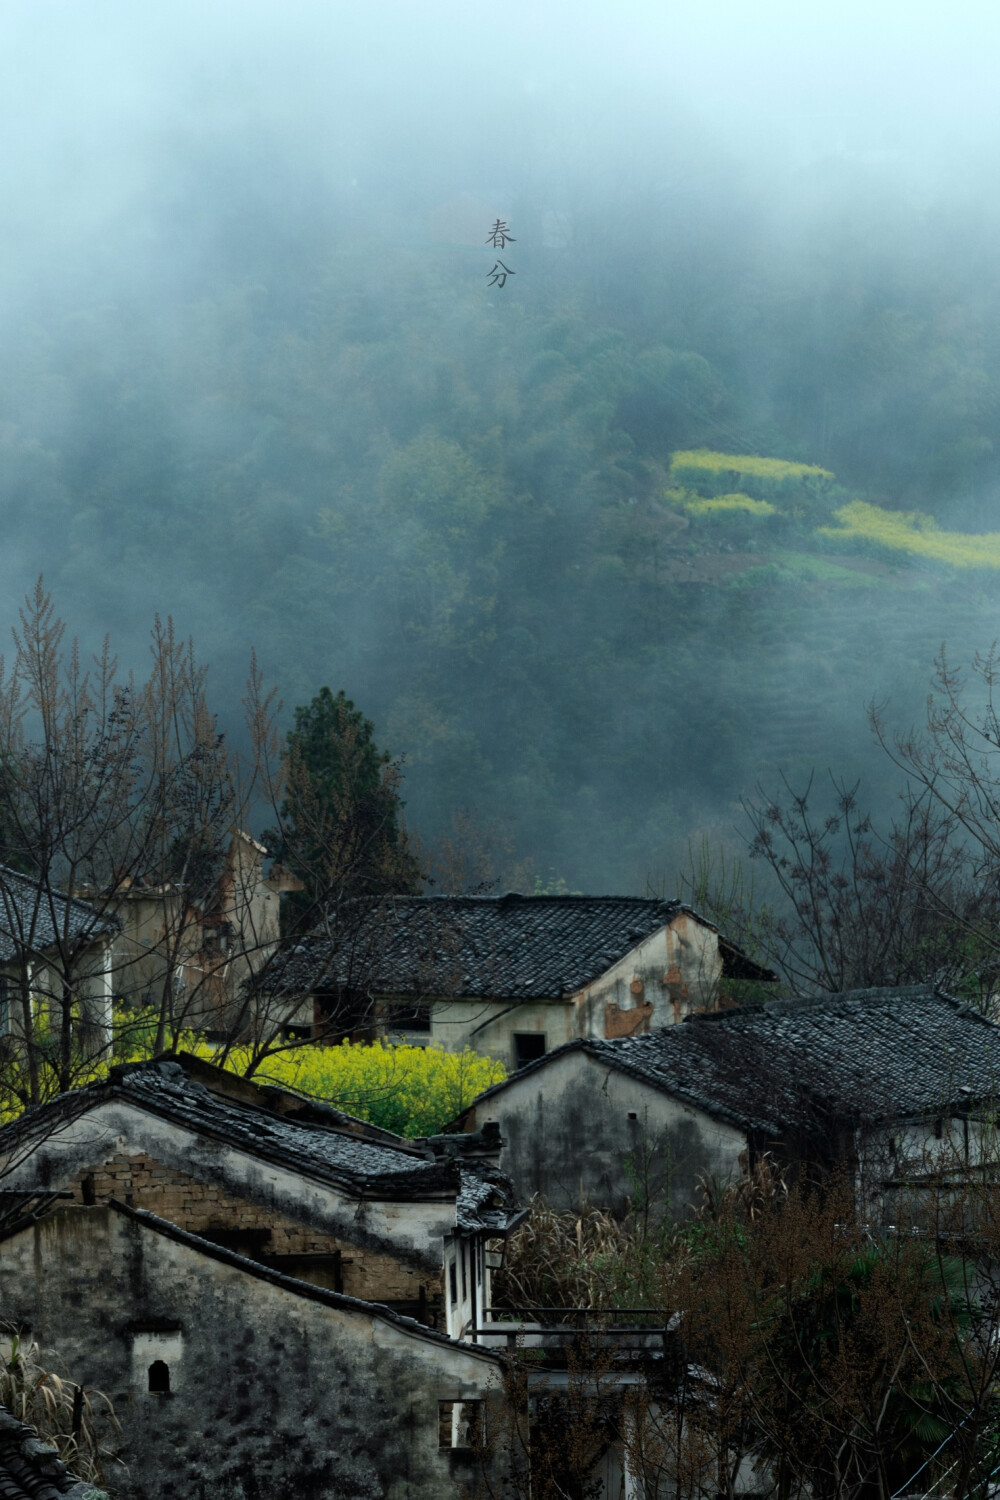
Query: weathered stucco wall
[
  {"x": 577, "y": 1130},
  {"x": 206, "y": 1208},
  {"x": 272, "y": 1393},
  {"x": 414, "y": 1232},
  {"x": 672, "y": 973},
  {"x": 489, "y": 1026}
]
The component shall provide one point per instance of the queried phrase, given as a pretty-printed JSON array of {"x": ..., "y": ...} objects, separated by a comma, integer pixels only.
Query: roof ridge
[{"x": 569, "y": 897}]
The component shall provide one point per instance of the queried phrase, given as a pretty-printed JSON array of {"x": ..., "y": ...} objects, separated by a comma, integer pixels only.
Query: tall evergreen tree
[{"x": 342, "y": 830}]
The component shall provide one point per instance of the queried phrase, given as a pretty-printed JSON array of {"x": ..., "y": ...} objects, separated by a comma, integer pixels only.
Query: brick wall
[{"x": 201, "y": 1207}]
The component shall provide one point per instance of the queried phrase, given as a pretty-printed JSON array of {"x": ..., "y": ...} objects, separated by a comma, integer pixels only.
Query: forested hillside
[{"x": 308, "y": 424}]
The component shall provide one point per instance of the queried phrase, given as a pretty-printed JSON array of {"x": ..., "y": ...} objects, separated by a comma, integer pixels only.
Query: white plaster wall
[
  {"x": 271, "y": 1376},
  {"x": 676, "y": 971},
  {"x": 578, "y": 1130},
  {"x": 117, "y": 1127}
]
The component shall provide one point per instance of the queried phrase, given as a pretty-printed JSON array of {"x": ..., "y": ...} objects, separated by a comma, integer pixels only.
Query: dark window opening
[
  {"x": 938, "y": 1129},
  {"x": 529, "y": 1046},
  {"x": 88, "y": 1190},
  {"x": 453, "y": 1283},
  {"x": 459, "y": 1424},
  {"x": 159, "y": 1378},
  {"x": 409, "y": 1018},
  {"x": 246, "y": 1241},
  {"x": 343, "y": 1014}
]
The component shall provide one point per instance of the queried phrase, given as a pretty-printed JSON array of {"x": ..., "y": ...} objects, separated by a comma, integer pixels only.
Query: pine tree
[{"x": 342, "y": 830}]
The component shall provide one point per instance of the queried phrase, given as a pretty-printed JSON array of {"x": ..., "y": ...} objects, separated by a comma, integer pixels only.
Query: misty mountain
[{"x": 253, "y": 375}]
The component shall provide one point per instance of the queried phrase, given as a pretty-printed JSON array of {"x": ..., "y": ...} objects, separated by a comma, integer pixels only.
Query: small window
[
  {"x": 453, "y": 1283},
  {"x": 157, "y": 1360},
  {"x": 938, "y": 1129},
  {"x": 88, "y": 1190},
  {"x": 460, "y": 1424},
  {"x": 529, "y": 1046}
]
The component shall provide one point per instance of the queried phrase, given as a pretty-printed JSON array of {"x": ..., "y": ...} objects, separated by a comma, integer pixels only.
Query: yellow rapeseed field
[
  {"x": 410, "y": 1090},
  {"x": 697, "y": 505},
  {"x": 777, "y": 469},
  {"x": 916, "y": 534}
]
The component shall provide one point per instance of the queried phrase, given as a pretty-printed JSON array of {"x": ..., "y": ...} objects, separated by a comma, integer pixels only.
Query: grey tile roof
[
  {"x": 505, "y": 947},
  {"x": 863, "y": 1056},
  {"x": 29, "y": 1468},
  {"x": 32, "y": 919},
  {"x": 368, "y": 1168}
]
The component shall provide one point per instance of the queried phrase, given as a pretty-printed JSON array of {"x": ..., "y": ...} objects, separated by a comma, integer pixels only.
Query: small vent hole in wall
[
  {"x": 159, "y": 1378},
  {"x": 633, "y": 1114}
]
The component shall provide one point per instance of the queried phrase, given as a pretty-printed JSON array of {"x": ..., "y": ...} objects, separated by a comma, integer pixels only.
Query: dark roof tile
[
  {"x": 33, "y": 919},
  {"x": 29, "y": 1468},
  {"x": 862, "y": 1056},
  {"x": 517, "y": 947},
  {"x": 372, "y": 1168}
]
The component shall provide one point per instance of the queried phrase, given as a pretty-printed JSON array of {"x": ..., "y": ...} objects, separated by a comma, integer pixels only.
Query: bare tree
[
  {"x": 853, "y": 900},
  {"x": 109, "y": 786}
]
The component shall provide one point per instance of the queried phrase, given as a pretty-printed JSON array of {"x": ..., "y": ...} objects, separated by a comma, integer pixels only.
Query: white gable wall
[
  {"x": 121, "y": 1127},
  {"x": 667, "y": 976},
  {"x": 576, "y": 1130}
]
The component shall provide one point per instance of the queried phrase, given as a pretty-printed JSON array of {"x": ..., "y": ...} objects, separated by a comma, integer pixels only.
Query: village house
[
  {"x": 204, "y": 946},
  {"x": 306, "y": 1288},
  {"x": 52, "y": 948},
  {"x": 234, "y": 1381},
  {"x": 278, "y": 1298},
  {"x": 890, "y": 1084},
  {"x": 511, "y": 976},
  {"x": 292, "y": 1184}
]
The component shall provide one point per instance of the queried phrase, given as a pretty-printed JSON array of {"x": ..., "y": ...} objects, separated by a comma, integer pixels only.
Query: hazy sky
[{"x": 99, "y": 100}]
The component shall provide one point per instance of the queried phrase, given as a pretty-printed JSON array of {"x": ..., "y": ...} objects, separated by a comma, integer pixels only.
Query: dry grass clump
[
  {"x": 64, "y": 1414},
  {"x": 586, "y": 1259}
]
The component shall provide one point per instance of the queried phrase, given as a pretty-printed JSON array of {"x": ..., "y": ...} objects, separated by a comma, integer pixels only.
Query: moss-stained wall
[
  {"x": 273, "y": 1392},
  {"x": 578, "y": 1130},
  {"x": 206, "y": 1207}
]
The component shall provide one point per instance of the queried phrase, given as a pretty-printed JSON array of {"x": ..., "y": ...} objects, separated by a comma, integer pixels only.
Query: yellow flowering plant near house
[{"x": 409, "y": 1090}]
